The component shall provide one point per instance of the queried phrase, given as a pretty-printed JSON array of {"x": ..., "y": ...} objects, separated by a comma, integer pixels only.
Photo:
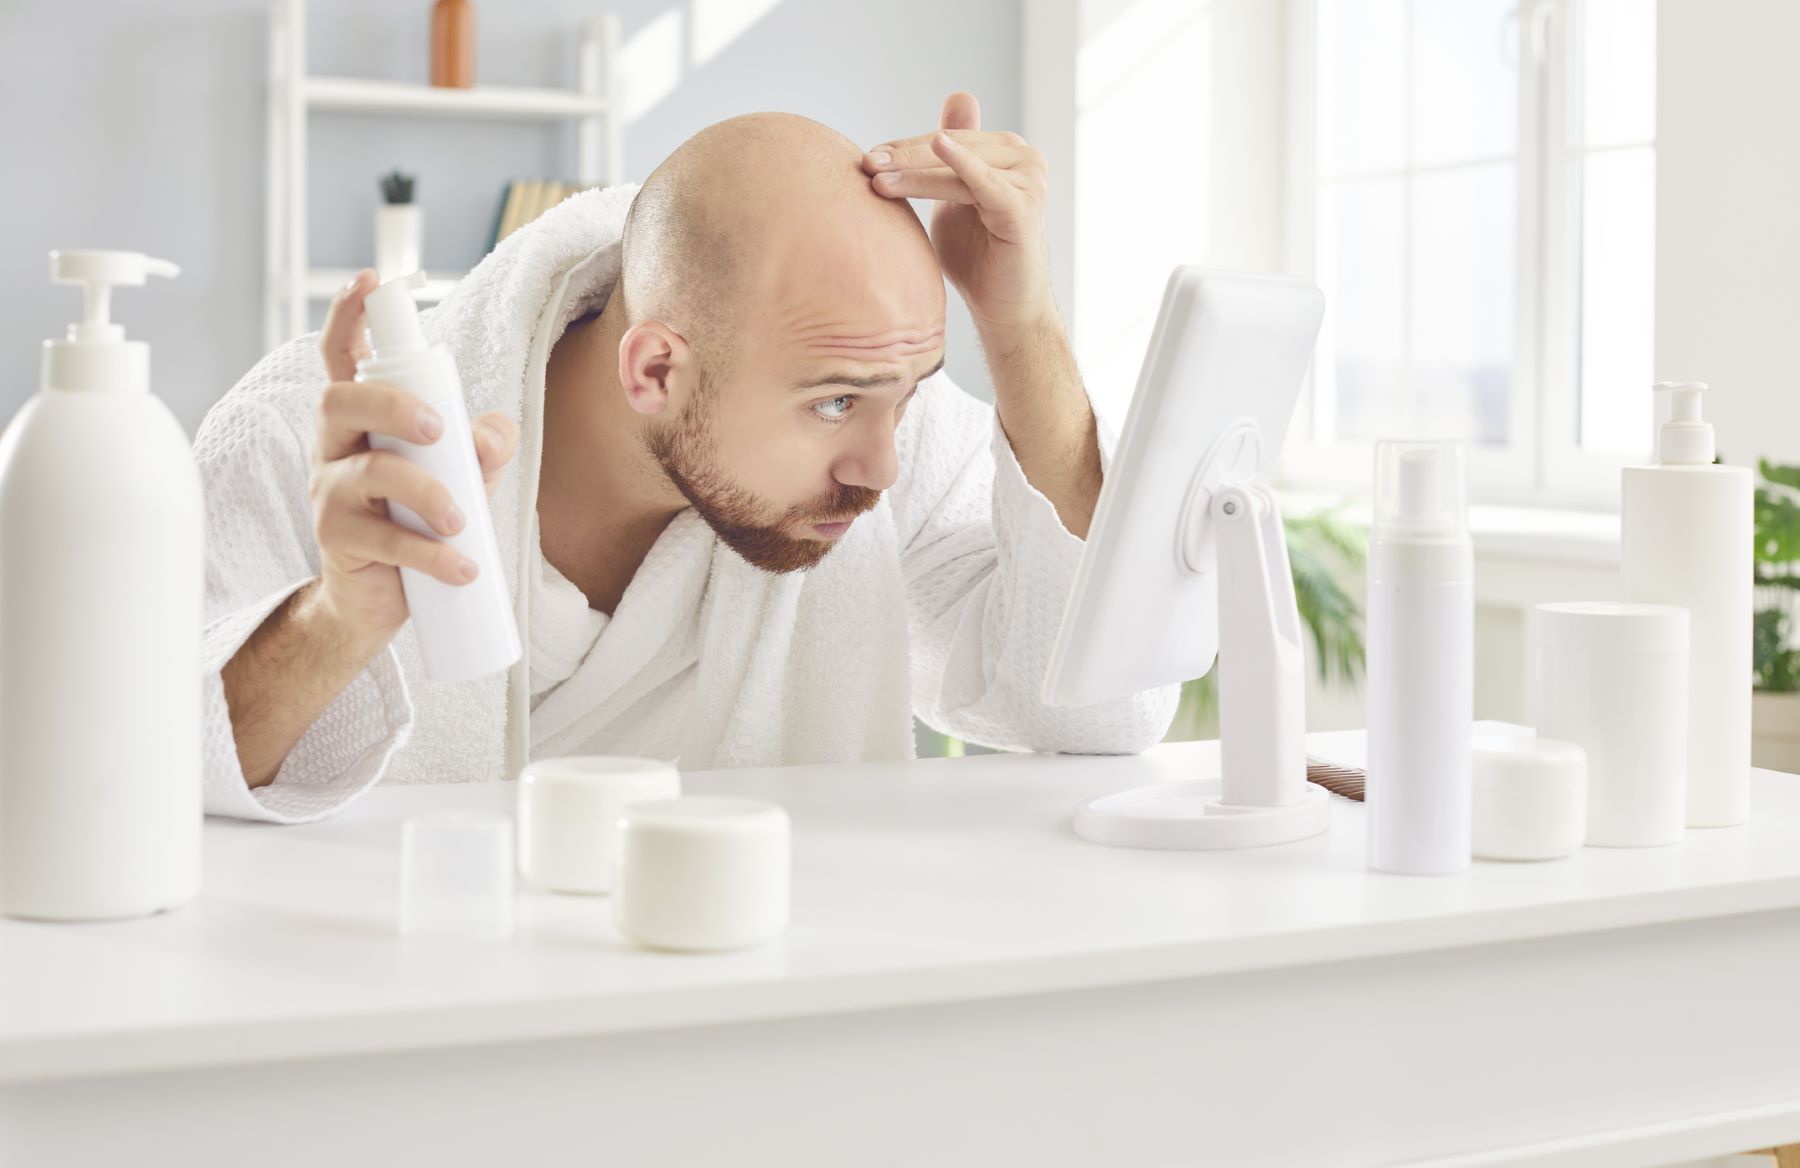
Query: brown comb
[{"x": 1335, "y": 777}]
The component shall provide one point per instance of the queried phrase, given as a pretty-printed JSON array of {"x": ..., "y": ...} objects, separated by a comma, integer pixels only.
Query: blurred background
[{"x": 1522, "y": 213}]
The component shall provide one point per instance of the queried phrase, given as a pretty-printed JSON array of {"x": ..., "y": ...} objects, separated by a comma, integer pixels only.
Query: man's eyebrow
[{"x": 860, "y": 382}]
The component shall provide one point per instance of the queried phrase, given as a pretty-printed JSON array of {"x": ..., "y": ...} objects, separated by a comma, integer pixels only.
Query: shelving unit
[{"x": 292, "y": 284}]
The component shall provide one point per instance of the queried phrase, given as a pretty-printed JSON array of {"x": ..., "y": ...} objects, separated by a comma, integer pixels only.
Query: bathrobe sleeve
[
  {"x": 989, "y": 567},
  {"x": 253, "y": 453}
]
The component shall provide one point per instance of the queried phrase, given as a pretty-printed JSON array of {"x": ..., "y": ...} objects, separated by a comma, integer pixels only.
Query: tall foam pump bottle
[
  {"x": 1687, "y": 537},
  {"x": 102, "y": 573},
  {"x": 1421, "y": 679}
]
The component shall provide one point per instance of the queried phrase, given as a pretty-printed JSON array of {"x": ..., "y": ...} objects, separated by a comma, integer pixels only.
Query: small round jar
[
  {"x": 1530, "y": 798},
  {"x": 702, "y": 873},
  {"x": 569, "y": 815},
  {"x": 1612, "y": 678}
]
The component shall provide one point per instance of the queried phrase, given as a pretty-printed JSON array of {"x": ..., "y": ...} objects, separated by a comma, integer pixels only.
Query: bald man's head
[
  {"x": 776, "y": 318},
  {"x": 749, "y": 212}
]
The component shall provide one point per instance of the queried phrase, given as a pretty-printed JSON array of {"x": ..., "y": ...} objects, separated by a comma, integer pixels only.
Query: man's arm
[
  {"x": 284, "y": 676},
  {"x": 1045, "y": 412}
]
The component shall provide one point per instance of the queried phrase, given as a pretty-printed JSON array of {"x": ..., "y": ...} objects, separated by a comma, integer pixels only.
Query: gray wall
[{"x": 139, "y": 126}]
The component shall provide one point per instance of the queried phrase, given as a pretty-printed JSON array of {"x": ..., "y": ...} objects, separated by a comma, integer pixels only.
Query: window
[{"x": 1475, "y": 185}]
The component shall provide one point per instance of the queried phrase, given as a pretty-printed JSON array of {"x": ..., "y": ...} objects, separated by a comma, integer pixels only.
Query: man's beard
[{"x": 686, "y": 452}]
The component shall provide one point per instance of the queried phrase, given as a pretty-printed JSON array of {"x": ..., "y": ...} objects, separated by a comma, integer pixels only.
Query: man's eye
[{"x": 823, "y": 409}]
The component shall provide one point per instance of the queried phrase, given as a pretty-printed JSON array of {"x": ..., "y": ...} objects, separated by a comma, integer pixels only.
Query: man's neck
[{"x": 602, "y": 499}]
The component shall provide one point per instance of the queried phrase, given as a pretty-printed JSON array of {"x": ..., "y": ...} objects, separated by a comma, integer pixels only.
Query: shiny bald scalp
[{"x": 706, "y": 234}]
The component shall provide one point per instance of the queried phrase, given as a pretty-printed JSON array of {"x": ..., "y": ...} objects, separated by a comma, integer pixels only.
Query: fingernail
[
  {"x": 431, "y": 423},
  {"x": 881, "y": 158},
  {"x": 493, "y": 435},
  {"x": 889, "y": 177},
  {"x": 453, "y": 519},
  {"x": 466, "y": 570}
]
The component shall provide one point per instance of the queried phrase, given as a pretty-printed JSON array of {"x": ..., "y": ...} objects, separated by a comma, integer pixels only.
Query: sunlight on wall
[
  {"x": 650, "y": 64},
  {"x": 1142, "y": 189},
  {"x": 719, "y": 22}
]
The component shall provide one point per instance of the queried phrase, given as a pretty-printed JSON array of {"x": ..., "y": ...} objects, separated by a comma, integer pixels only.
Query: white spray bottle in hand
[{"x": 464, "y": 630}]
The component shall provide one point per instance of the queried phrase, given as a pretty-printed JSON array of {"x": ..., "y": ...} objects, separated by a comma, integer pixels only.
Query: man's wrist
[
  {"x": 344, "y": 633},
  {"x": 1008, "y": 340}
]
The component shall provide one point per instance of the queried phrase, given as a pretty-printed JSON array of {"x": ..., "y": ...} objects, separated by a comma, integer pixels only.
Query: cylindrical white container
[
  {"x": 101, "y": 525},
  {"x": 1612, "y": 678},
  {"x": 1530, "y": 798},
  {"x": 702, "y": 873},
  {"x": 1687, "y": 538},
  {"x": 569, "y": 815},
  {"x": 399, "y": 232},
  {"x": 464, "y": 630},
  {"x": 456, "y": 876},
  {"x": 1421, "y": 674}
]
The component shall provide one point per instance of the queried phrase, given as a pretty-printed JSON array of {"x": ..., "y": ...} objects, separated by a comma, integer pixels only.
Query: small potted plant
[
  {"x": 1775, "y": 704},
  {"x": 399, "y": 228}
]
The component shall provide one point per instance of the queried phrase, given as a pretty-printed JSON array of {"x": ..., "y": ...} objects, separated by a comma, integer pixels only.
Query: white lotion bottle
[
  {"x": 1687, "y": 538},
  {"x": 1421, "y": 669},
  {"x": 464, "y": 630},
  {"x": 101, "y": 607}
]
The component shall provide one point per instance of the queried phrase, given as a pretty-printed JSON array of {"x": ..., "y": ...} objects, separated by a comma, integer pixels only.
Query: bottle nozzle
[
  {"x": 394, "y": 315},
  {"x": 1685, "y": 438},
  {"x": 98, "y": 272}
]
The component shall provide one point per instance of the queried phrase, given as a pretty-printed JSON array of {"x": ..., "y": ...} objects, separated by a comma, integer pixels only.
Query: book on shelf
[{"x": 526, "y": 199}]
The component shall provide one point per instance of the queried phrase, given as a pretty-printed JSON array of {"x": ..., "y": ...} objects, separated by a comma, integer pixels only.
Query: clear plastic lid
[{"x": 1421, "y": 490}]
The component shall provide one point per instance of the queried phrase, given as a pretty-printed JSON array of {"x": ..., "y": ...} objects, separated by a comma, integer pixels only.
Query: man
[{"x": 744, "y": 516}]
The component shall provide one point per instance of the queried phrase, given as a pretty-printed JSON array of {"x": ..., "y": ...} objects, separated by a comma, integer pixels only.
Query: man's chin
[{"x": 776, "y": 553}]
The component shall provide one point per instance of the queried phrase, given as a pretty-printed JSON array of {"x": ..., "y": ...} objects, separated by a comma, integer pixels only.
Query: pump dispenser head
[
  {"x": 394, "y": 316},
  {"x": 1685, "y": 439},
  {"x": 95, "y": 353},
  {"x": 1420, "y": 491}
]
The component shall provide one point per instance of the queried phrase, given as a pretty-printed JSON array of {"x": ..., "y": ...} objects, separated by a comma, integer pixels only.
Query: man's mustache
[{"x": 845, "y": 505}]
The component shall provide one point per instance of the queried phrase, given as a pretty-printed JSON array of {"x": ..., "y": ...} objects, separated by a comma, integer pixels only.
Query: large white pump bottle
[
  {"x": 101, "y": 601},
  {"x": 1688, "y": 539},
  {"x": 464, "y": 630},
  {"x": 1421, "y": 652}
]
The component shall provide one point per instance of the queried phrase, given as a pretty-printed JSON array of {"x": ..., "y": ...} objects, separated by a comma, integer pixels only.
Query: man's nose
[{"x": 873, "y": 463}]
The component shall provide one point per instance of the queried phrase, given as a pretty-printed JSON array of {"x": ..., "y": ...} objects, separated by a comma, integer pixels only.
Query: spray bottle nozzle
[
  {"x": 394, "y": 315},
  {"x": 98, "y": 272}
]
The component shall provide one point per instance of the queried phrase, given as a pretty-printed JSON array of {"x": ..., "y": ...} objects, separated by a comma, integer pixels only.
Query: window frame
[{"x": 1543, "y": 463}]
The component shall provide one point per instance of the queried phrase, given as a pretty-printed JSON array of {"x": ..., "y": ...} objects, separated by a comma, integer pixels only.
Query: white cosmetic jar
[
  {"x": 1612, "y": 678},
  {"x": 702, "y": 873},
  {"x": 569, "y": 815},
  {"x": 1530, "y": 798}
]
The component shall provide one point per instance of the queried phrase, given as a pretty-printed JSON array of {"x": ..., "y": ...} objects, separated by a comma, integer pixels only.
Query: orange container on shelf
[{"x": 453, "y": 44}]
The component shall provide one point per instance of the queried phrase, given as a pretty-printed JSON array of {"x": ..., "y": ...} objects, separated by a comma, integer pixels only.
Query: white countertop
[{"x": 917, "y": 882}]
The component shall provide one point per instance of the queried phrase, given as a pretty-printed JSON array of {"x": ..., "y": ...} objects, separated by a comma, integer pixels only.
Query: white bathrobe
[{"x": 943, "y": 601}]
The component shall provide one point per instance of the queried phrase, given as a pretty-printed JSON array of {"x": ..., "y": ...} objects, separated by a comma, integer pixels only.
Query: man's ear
[{"x": 655, "y": 364}]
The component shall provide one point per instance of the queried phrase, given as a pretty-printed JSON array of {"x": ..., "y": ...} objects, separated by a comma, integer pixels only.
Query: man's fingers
[
  {"x": 921, "y": 156},
  {"x": 1003, "y": 204},
  {"x": 363, "y": 481},
  {"x": 961, "y": 112},
  {"x": 967, "y": 137},
  {"x": 349, "y": 410},
  {"x": 941, "y": 184},
  {"x": 360, "y": 535},
  {"x": 496, "y": 437},
  {"x": 341, "y": 341}
]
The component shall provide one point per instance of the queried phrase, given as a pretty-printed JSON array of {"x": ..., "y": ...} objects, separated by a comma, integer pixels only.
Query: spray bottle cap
[
  {"x": 1420, "y": 491},
  {"x": 1685, "y": 439},
  {"x": 394, "y": 316},
  {"x": 95, "y": 354}
]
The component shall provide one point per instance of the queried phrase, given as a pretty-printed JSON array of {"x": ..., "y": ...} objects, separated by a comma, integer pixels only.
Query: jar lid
[{"x": 1605, "y": 626}]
